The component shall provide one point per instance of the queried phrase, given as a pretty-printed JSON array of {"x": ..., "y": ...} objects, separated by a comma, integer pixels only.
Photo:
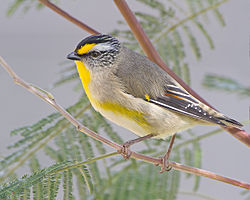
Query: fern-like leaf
[
  {"x": 67, "y": 185},
  {"x": 225, "y": 84},
  {"x": 17, "y": 186}
]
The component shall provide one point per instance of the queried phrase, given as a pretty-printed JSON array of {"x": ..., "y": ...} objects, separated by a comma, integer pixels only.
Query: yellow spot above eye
[
  {"x": 85, "y": 49},
  {"x": 147, "y": 97}
]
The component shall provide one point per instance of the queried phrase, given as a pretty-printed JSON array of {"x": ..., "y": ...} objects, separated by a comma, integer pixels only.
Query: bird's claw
[
  {"x": 125, "y": 151},
  {"x": 165, "y": 166}
]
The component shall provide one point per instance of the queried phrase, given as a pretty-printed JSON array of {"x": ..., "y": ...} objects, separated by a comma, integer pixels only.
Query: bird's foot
[
  {"x": 165, "y": 166},
  {"x": 125, "y": 151}
]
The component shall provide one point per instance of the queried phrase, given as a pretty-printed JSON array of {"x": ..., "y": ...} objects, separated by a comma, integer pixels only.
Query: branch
[
  {"x": 51, "y": 100},
  {"x": 153, "y": 55},
  {"x": 68, "y": 16}
]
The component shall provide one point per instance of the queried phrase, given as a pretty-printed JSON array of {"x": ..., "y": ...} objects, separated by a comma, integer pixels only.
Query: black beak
[{"x": 73, "y": 56}]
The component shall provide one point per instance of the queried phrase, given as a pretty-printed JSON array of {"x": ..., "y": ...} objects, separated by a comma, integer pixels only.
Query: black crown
[{"x": 101, "y": 38}]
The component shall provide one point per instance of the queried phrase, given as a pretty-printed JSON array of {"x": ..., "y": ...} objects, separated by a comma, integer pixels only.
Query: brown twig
[
  {"x": 50, "y": 99},
  {"x": 153, "y": 55},
  {"x": 68, "y": 16}
]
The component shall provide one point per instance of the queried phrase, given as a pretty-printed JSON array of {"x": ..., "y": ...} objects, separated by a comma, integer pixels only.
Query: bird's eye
[{"x": 95, "y": 54}]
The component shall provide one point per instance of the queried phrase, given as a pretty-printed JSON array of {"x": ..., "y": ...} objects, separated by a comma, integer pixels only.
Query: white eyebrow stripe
[{"x": 102, "y": 47}]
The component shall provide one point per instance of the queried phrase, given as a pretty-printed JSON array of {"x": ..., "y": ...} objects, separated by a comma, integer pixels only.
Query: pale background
[{"x": 35, "y": 43}]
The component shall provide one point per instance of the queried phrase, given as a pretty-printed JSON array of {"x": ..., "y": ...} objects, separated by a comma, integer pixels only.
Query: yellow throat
[{"x": 84, "y": 74}]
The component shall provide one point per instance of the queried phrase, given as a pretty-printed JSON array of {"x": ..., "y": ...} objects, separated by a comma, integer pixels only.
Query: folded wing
[{"x": 180, "y": 101}]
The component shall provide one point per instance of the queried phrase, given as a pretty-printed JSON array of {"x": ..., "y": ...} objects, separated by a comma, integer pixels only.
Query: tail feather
[{"x": 230, "y": 122}]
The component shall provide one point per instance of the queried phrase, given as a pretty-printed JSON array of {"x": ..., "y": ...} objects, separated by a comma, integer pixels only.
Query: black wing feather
[{"x": 186, "y": 107}]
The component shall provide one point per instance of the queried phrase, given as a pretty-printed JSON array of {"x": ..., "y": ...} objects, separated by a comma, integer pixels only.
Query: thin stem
[
  {"x": 202, "y": 172},
  {"x": 79, "y": 164},
  {"x": 86, "y": 180},
  {"x": 181, "y": 22},
  {"x": 195, "y": 194},
  {"x": 118, "y": 147},
  {"x": 68, "y": 16}
]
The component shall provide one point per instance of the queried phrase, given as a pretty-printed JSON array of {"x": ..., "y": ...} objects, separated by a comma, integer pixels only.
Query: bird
[{"x": 135, "y": 93}]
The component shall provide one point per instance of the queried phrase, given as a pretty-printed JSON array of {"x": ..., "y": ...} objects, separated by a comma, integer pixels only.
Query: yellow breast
[{"x": 105, "y": 107}]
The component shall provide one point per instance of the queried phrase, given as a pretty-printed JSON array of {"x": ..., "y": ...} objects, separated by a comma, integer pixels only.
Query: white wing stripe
[{"x": 173, "y": 108}]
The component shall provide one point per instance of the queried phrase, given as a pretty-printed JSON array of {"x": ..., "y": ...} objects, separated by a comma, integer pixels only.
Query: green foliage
[
  {"x": 146, "y": 183},
  {"x": 39, "y": 134},
  {"x": 45, "y": 183},
  {"x": 25, "y": 5},
  {"x": 222, "y": 83},
  {"x": 67, "y": 185},
  {"x": 68, "y": 74},
  {"x": 21, "y": 186}
]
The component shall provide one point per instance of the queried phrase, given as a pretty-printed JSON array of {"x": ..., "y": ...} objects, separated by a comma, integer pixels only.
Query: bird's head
[{"x": 96, "y": 51}]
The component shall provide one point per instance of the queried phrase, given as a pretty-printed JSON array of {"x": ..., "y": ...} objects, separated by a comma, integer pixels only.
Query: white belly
[
  {"x": 125, "y": 122},
  {"x": 161, "y": 121}
]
